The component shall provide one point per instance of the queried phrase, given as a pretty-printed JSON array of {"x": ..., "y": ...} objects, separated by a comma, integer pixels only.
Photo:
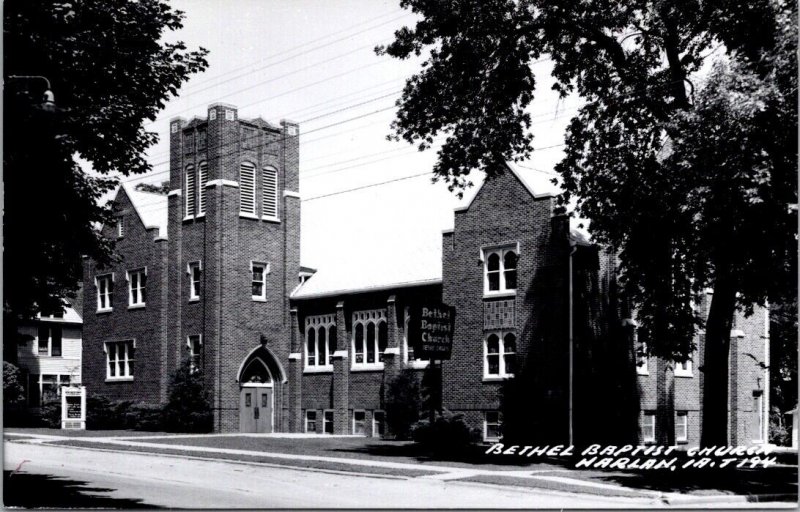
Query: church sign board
[
  {"x": 73, "y": 408},
  {"x": 430, "y": 330}
]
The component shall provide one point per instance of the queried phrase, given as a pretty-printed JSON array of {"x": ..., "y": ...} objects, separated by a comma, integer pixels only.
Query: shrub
[
  {"x": 105, "y": 414},
  {"x": 13, "y": 392},
  {"x": 188, "y": 407},
  {"x": 50, "y": 414},
  {"x": 146, "y": 417},
  {"x": 448, "y": 433},
  {"x": 402, "y": 404}
]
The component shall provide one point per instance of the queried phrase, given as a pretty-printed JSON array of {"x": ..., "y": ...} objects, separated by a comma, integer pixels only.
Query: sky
[{"x": 313, "y": 62}]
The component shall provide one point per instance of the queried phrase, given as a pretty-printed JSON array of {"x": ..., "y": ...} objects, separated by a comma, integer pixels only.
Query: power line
[{"x": 282, "y": 53}]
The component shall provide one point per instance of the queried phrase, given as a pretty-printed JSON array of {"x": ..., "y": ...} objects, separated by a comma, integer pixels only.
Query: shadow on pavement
[
  {"x": 22, "y": 489},
  {"x": 778, "y": 481}
]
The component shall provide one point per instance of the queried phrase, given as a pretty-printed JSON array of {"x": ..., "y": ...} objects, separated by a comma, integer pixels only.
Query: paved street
[{"x": 150, "y": 480}]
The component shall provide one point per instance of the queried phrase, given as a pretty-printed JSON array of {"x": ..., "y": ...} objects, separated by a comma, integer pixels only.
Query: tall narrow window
[
  {"x": 202, "y": 178},
  {"x": 311, "y": 348},
  {"x": 247, "y": 189},
  {"x": 188, "y": 142},
  {"x": 105, "y": 290},
  {"x": 195, "y": 345},
  {"x": 648, "y": 427},
  {"x": 195, "y": 270},
  {"x": 493, "y": 272},
  {"x": 137, "y": 287},
  {"x": 55, "y": 341},
  {"x": 359, "y": 344},
  {"x": 681, "y": 426},
  {"x": 269, "y": 207},
  {"x": 190, "y": 191},
  {"x": 44, "y": 340},
  {"x": 327, "y": 422},
  {"x": 259, "y": 288}
]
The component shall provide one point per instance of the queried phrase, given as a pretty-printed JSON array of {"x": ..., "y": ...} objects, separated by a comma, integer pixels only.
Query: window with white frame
[
  {"x": 269, "y": 198},
  {"x": 49, "y": 340},
  {"x": 247, "y": 189},
  {"x": 492, "y": 426},
  {"x": 105, "y": 291},
  {"x": 311, "y": 421},
  {"x": 683, "y": 369},
  {"x": 370, "y": 339},
  {"x": 191, "y": 191},
  {"x": 137, "y": 287},
  {"x": 45, "y": 388},
  {"x": 119, "y": 360},
  {"x": 194, "y": 269},
  {"x": 259, "y": 273},
  {"x": 681, "y": 426},
  {"x": 500, "y": 354},
  {"x": 359, "y": 423},
  {"x": 648, "y": 427},
  {"x": 378, "y": 423},
  {"x": 410, "y": 356},
  {"x": 195, "y": 345},
  {"x": 500, "y": 270},
  {"x": 202, "y": 178},
  {"x": 320, "y": 342},
  {"x": 758, "y": 409},
  {"x": 327, "y": 422}
]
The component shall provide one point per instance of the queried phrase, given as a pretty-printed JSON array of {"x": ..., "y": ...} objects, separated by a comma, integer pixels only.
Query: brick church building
[{"x": 211, "y": 272}]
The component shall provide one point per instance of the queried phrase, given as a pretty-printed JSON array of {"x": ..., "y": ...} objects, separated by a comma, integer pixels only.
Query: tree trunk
[{"x": 716, "y": 364}]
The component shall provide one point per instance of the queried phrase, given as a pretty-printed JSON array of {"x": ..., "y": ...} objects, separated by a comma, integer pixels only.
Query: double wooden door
[{"x": 255, "y": 409}]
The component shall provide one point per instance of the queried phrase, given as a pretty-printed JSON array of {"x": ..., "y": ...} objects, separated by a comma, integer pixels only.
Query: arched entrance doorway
[{"x": 257, "y": 381}]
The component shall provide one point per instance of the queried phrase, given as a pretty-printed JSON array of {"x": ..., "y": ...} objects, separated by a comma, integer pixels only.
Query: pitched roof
[
  {"x": 151, "y": 208},
  {"x": 412, "y": 259}
]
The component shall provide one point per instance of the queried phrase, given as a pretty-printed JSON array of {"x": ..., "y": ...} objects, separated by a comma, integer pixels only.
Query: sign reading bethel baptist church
[{"x": 430, "y": 330}]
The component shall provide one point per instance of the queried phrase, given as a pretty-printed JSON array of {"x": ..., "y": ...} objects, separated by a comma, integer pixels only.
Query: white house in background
[{"x": 51, "y": 357}]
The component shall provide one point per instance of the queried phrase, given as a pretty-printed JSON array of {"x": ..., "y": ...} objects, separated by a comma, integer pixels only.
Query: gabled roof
[
  {"x": 538, "y": 183},
  {"x": 151, "y": 208},
  {"x": 70, "y": 316}
]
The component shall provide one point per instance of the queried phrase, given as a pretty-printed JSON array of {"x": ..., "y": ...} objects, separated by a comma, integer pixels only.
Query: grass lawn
[{"x": 362, "y": 448}]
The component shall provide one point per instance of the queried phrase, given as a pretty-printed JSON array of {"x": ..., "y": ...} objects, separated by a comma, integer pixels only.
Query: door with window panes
[{"x": 255, "y": 409}]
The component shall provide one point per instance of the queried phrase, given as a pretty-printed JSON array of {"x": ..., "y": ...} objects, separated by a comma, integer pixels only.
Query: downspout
[{"x": 573, "y": 249}]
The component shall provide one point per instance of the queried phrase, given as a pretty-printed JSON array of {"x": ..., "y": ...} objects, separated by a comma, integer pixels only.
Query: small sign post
[{"x": 73, "y": 408}]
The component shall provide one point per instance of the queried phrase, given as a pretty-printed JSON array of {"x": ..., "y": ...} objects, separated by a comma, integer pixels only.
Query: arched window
[
  {"x": 500, "y": 355},
  {"x": 370, "y": 339},
  {"x": 359, "y": 342},
  {"x": 247, "y": 189},
  {"x": 269, "y": 196},
  {"x": 319, "y": 345},
  {"x": 493, "y": 271},
  {"x": 190, "y": 191},
  {"x": 500, "y": 270},
  {"x": 311, "y": 350},
  {"x": 202, "y": 178}
]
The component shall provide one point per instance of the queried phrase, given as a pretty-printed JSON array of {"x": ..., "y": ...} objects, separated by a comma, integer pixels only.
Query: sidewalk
[{"x": 544, "y": 477}]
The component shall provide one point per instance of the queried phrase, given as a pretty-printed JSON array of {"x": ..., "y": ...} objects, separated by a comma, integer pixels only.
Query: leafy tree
[
  {"x": 188, "y": 407},
  {"x": 13, "y": 392},
  {"x": 109, "y": 69},
  {"x": 680, "y": 220},
  {"x": 162, "y": 189}
]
